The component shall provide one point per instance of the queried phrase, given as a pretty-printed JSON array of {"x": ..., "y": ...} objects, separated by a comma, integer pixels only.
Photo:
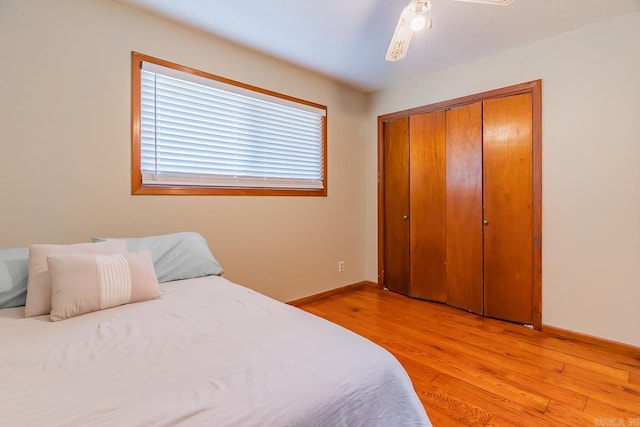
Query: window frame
[{"x": 137, "y": 186}]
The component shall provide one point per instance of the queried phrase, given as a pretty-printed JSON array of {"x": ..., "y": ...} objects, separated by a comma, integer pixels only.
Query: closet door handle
[
  {"x": 405, "y": 217},
  {"x": 485, "y": 222}
]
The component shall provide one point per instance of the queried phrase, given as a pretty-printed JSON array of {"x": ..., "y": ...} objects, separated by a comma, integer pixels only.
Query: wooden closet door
[
  {"x": 508, "y": 201},
  {"x": 396, "y": 205},
  {"x": 464, "y": 207},
  {"x": 428, "y": 206}
]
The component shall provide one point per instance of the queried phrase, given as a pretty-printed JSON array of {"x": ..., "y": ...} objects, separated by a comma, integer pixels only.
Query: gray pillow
[
  {"x": 14, "y": 268},
  {"x": 175, "y": 256}
]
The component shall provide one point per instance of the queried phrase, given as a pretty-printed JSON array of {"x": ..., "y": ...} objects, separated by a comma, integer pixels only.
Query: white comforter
[{"x": 210, "y": 353}]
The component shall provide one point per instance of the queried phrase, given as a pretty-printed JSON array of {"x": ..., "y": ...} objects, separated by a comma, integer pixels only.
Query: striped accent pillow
[
  {"x": 114, "y": 278},
  {"x": 82, "y": 283}
]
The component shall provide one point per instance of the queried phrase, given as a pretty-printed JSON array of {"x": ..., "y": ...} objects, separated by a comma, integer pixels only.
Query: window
[{"x": 196, "y": 133}]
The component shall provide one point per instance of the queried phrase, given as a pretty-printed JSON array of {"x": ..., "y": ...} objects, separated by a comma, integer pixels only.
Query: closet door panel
[
  {"x": 464, "y": 207},
  {"x": 428, "y": 206},
  {"x": 508, "y": 200},
  {"x": 396, "y": 205}
]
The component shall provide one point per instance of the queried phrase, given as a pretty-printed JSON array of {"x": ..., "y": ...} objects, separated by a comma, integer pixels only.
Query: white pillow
[
  {"x": 82, "y": 283},
  {"x": 39, "y": 282}
]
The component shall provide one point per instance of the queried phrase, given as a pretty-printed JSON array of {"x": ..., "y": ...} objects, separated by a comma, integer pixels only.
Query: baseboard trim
[
  {"x": 590, "y": 340},
  {"x": 321, "y": 295}
]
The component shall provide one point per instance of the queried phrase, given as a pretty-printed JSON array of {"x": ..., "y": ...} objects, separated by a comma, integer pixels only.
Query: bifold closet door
[
  {"x": 396, "y": 205},
  {"x": 414, "y": 206},
  {"x": 427, "y": 203},
  {"x": 508, "y": 208},
  {"x": 464, "y": 207}
]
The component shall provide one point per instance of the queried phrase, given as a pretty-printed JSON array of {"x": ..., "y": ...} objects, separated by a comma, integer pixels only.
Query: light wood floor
[{"x": 474, "y": 371}]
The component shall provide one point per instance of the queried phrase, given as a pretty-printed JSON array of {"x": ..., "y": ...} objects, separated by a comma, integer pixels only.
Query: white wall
[
  {"x": 65, "y": 148},
  {"x": 591, "y": 166}
]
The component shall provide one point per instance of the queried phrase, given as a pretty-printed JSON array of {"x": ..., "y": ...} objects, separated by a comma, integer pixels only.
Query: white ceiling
[{"x": 348, "y": 39}]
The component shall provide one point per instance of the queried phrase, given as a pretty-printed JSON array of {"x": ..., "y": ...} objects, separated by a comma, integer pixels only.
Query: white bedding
[{"x": 210, "y": 353}]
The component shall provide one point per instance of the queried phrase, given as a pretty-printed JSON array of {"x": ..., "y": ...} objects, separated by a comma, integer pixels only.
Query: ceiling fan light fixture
[
  {"x": 418, "y": 22},
  {"x": 420, "y": 10}
]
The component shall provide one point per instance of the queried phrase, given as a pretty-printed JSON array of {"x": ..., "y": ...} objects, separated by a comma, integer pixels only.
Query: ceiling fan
[{"x": 415, "y": 17}]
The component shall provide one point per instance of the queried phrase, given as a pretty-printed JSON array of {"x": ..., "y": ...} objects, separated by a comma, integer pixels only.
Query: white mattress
[{"x": 209, "y": 352}]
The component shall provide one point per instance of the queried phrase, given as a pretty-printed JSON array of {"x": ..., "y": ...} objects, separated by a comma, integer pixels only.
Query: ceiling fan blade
[
  {"x": 401, "y": 37},
  {"x": 493, "y": 2}
]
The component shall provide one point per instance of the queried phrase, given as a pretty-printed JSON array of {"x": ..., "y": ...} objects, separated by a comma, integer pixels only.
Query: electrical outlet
[{"x": 340, "y": 266}]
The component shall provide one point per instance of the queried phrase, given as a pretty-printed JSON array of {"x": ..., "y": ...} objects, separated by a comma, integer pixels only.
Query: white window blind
[{"x": 202, "y": 132}]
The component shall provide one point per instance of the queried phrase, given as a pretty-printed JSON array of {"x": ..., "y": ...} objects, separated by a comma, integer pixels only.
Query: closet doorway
[{"x": 460, "y": 203}]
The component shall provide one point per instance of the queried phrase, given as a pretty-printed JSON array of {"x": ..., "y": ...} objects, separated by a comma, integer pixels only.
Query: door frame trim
[{"x": 535, "y": 88}]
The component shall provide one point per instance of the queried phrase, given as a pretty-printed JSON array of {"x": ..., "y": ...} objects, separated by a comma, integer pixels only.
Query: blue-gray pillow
[
  {"x": 14, "y": 268},
  {"x": 175, "y": 256}
]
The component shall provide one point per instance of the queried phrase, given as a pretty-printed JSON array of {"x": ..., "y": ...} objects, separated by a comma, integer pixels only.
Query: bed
[{"x": 206, "y": 352}]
